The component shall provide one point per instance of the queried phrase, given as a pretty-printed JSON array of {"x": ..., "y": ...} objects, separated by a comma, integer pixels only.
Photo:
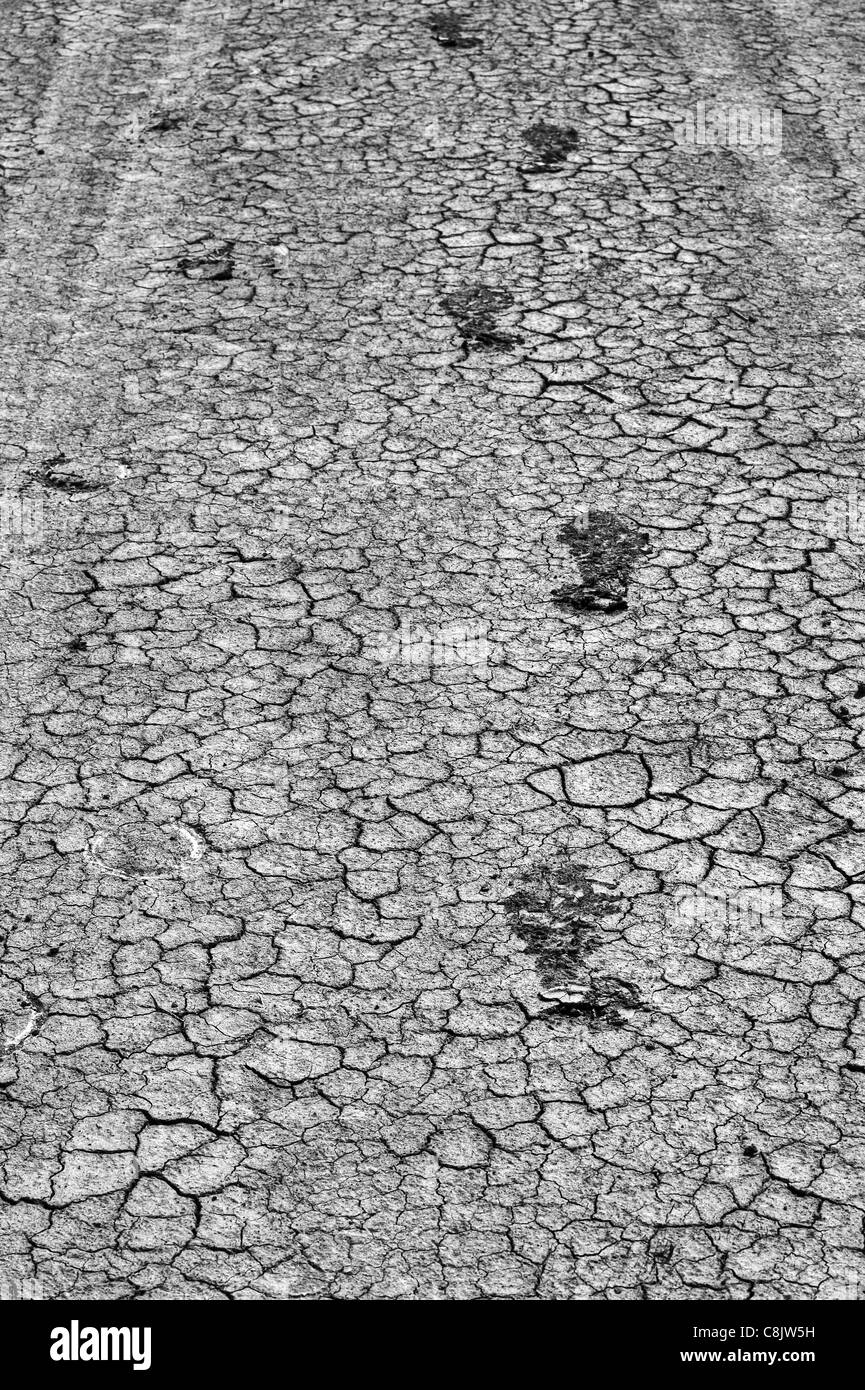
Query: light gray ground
[{"x": 423, "y": 597}]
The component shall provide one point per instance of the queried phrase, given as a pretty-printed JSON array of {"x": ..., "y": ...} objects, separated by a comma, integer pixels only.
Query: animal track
[
  {"x": 558, "y": 914},
  {"x": 474, "y": 310},
  {"x": 56, "y": 473},
  {"x": 215, "y": 264},
  {"x": 551, "y": 144},
  {"x": 447, "y": 30},
  {"x": 607, "y": 551}
]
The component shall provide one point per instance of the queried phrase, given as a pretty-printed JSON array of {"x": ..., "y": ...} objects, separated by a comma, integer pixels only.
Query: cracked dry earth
[{"x": 333, "y": 974}]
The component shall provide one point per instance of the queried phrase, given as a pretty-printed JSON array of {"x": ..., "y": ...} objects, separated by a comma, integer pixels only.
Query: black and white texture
[{"x": 433, "y": 856}]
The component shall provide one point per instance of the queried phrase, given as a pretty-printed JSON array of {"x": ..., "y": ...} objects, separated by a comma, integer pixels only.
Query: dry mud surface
[{"x": 432, "y": 574}]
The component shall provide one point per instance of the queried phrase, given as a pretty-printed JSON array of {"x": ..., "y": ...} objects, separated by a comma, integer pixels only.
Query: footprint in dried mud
[
  {"x": 140, "y": 852},
  {"x": 474, "y": 309},
  {"x": 551, "y": 145},
  {"x": 167, "y": 120},
  {"x": 607, "y": 548},
  {"x": 609, "y": 1002},
  {"x": 447, "y": 30},
  {"x": 21, "y": 1014},
  {"x": 133, "y": 682},
  {"x": 56, "y": 473},
  {"x": 558, "y": 914},
  {"x": 215, "y": 264}
]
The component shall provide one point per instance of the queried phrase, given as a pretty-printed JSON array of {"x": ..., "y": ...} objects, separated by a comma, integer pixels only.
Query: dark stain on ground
[
  {"x": 215, "y": 264},
  {"x": 606, "y": 549},
  {"x": 551, "y": 145},
  {"x": 557, "y": 914},
  {"x": 51, "y": 474},
  {"x": 447, "y": 29},
  {"x": 473, "y": 309}
]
